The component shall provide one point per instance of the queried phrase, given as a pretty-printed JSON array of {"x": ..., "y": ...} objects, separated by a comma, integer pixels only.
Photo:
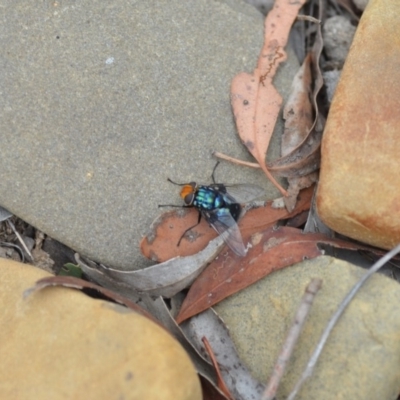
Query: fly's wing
[
  {"x": 222, "y": 221},
  {"x": 242, "y": 193}
]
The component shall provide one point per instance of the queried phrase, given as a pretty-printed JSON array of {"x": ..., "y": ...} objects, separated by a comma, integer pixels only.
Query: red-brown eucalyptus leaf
[
  {"x": 255, "y": 108},
  {"x": 273, "y": 249},
  {"x": 161, "y": 243}
]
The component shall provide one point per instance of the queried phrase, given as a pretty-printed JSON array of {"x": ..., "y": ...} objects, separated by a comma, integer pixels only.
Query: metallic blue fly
[{"x": 220, "y": 205}]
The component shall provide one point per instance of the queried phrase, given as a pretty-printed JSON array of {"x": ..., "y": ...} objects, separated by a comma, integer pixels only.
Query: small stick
[
  {"x": 252, "y": 165},
  {"x": 20, "y": 239},
  {"x": 308, "y": 18},
  {"x": 292, "y": 337},
  {"x": 332, "y": 322},
  {"x": 222, "y": 156}
]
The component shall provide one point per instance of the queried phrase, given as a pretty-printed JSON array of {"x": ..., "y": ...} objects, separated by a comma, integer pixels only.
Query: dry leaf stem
[{"x": 233, "y": 160}]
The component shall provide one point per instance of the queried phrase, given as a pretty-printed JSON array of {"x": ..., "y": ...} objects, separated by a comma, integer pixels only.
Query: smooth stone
[
  {"x": 358, "y": 191},
  {"x": 102, "y": 103},
  {"x": 61, "y": 344},
  {"x": 338, "y": 33},
  {"x": 361, "y": 357},
  {"x": 361, "y": 4}
]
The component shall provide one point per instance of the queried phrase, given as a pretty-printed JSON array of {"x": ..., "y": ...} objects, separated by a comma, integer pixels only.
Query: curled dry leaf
[
  {"x": 304, "y": 124},
  {"x": 298, "y": 111},
  {"x": 234, "y": 373},
  {"x": 171, "y": 276},
  {"x": 272, "y": 249},
  {"x": 255, "y": 101},
  {"x": 159, "y": 309},
  {"x": 161, "y": 243},
  {"x": 168, "y": 278},
  {"x": 295, "y": 185}
]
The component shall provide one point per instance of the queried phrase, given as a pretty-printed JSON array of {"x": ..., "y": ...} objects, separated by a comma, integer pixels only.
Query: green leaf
[{"x": 70, "y": 269}]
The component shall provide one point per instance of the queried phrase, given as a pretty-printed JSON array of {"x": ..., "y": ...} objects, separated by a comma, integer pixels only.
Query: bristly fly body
[{"x": 220, "y": 205}]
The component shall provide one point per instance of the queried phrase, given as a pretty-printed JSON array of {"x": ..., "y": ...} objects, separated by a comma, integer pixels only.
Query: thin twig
[
  {"x": 317, "y": 352},
  {"x": 292, "y": 337},
  {"x": 20, "y": 239},
  {"x": 222, "y": 156},
  {"x": 309, "y": 18}
]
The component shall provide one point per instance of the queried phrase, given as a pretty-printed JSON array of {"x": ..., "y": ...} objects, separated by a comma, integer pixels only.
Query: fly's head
[{"x": 188, "y": 193}]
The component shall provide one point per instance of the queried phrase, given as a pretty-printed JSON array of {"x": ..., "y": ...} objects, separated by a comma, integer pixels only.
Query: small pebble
[
  {"x": 338, "y": 34},
  {"x": 360, "y": 4}
]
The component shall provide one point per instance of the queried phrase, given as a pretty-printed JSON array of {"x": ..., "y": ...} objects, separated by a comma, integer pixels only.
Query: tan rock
[
  {"x": 359, "y": 192},
  {"x": 60, "y": 344},
  {"x": 361, "y": 358}
]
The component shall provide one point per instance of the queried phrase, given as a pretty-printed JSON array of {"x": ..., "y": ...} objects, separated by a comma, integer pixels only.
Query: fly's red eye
[
  {"x": 187, "y": 193},
  {"x": 189, "y": 199}
]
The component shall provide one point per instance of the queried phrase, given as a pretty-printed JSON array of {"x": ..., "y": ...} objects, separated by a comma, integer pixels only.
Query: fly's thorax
[{"x": 207, "y": 198}]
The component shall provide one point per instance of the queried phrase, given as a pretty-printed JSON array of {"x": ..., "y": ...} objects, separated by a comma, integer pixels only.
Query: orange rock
[
  {"x": 359, "y": 191},
  {"x": 60, "y": 344}
]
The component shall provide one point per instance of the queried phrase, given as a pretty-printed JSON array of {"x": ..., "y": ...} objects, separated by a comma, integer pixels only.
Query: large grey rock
[
  {"x": 102, "y": 101},
  {"x": 362, "y": 355}
]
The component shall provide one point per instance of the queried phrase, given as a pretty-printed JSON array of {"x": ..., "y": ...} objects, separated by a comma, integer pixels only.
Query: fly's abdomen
[{"x": 208, "y": 199}]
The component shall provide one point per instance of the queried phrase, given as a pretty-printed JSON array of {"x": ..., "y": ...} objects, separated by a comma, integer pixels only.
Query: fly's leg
[
  {"x": 213, "y": 172},
  {"x": 188, "y": 229},
  {"x": 173, "y": 205}
]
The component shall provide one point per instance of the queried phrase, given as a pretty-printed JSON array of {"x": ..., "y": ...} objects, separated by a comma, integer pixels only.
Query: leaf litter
[
  {"x": 255, "y": 101},
  {"x": 272, "y": 249},
  {"x": 256, "y": 106},
  {"x": 161, "y": 243}
]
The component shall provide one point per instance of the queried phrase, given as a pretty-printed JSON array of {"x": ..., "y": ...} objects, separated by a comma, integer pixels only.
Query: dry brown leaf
[
  {"x": 298, "y": 110},
  {"x": 273, "y": 249},
  {"x": 303, "y": 127},
  {"x": 161, "y": 243},
  {"x": 298, "y": 116},
  {"x": 165, "y": 279},
  {"x": 255, "y": 101},
  {"x": 235, "y": 374},
  {"x": 305, "y": 158}
]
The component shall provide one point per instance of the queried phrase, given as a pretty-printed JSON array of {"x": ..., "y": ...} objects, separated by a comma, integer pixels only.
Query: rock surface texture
[
  {"x": 358, "y": 193},
  {"x": 361, "y": 357},
  {"x": 60, "y": 344},
  {"x": 101, "y": 103}
]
